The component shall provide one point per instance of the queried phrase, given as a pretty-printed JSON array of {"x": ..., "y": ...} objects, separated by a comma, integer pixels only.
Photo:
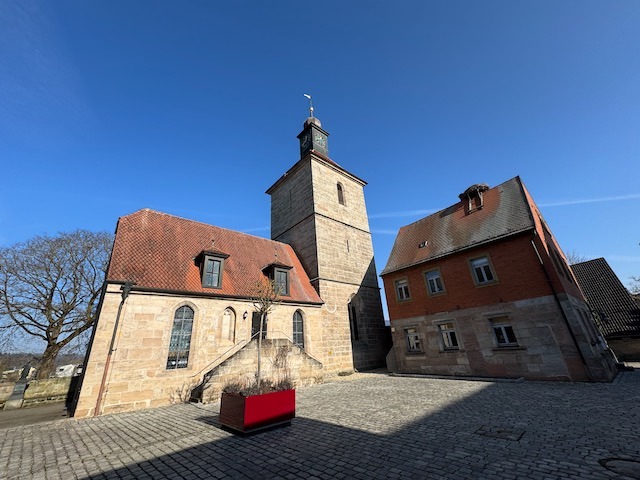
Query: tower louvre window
[{"x": 340, "y": 194}]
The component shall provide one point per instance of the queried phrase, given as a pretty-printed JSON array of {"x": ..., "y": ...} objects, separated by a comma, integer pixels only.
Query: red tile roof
[
  {"x": 505, "y": 212},
  {"x": 157, "y": 251}
]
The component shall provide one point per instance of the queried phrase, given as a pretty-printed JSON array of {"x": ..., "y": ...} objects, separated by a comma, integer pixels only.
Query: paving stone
[{"x": 372, "y": 427}]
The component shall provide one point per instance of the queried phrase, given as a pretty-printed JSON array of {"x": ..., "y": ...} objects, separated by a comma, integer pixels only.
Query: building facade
[
  {"x": 178, "y": 321},
  {"x": 482, "y": 288}
]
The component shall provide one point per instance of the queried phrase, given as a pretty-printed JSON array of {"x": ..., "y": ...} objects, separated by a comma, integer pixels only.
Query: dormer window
[
  {"x": 211, "y": 266},
  {"x": 279, "y": 273},
  {"x": 281, "y": 278},
  {"x": 473, "y": 197},
  {"x": 212, "y": 274}
]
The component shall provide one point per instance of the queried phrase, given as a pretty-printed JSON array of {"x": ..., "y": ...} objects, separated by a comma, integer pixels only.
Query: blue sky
[{"x": 192, "y": 108}]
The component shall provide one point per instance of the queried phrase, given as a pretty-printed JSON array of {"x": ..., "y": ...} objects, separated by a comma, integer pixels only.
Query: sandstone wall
[{"x": 138, "y": 377}]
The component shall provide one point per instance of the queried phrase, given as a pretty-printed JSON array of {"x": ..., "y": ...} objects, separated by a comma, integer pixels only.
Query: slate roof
[
  {"x": 157, "y": 251},
  {"x": 505, "y": 212},
  {"x": 619, "y": 314}
]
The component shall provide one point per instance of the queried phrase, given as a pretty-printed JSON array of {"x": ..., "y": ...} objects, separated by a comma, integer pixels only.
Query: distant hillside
[{"x": 9, "y": 361}]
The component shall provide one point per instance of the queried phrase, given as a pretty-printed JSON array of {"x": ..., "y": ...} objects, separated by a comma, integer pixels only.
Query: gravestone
[{"x": 17, "y": 397}]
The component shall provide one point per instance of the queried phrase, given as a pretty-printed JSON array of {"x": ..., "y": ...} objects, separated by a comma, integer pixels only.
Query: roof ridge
[
  {"x": 456, "y": 203},
  {"x": 151, "y": 210}
]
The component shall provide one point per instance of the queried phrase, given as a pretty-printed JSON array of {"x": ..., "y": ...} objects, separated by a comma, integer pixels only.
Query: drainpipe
[
  {"x": 126, "y": 288},
  {"x": 564, "y": 315}
]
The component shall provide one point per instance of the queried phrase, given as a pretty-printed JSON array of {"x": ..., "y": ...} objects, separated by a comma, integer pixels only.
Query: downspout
[
  {"x": 564, "y": 315},
  {"x": 126, "y": 288}
]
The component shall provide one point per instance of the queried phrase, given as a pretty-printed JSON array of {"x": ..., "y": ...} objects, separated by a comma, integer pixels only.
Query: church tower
[{"x": 318, "y": 208}]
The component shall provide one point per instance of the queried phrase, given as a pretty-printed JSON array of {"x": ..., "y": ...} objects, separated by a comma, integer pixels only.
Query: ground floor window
[
  {"x": 413, "y": 339},
  {"x": 255, "y": 325},
  {"x": 503, "y": 331},
  {"x": 448, "y": 336}
]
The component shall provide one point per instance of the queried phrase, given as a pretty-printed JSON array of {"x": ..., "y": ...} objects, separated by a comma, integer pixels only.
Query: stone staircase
[{"x": 239, "y": 364}]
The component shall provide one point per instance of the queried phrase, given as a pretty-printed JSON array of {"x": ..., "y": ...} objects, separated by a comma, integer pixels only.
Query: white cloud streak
[{"x": 565, "y": 203}]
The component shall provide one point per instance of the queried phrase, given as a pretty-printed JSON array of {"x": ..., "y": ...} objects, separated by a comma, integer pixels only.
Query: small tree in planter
[{"x": 262, "y": 403}]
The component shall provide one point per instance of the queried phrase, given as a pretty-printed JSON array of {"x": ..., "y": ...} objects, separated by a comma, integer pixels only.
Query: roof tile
[
  {"x": 157, "y": 251},
  {"x": 619, "y": 314},
  {"x": 505, "y": 212}
]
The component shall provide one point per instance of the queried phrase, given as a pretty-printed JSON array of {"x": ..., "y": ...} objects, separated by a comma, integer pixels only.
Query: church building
[{"x": 178, "y": 319}]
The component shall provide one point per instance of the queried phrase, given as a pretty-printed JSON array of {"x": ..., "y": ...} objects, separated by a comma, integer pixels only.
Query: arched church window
[
  {"x": 229, "y": 324},
  {"x": 353, "y": 321},
  {"x": 180, "y": 342},
  {"x": 298, "y": 329}
]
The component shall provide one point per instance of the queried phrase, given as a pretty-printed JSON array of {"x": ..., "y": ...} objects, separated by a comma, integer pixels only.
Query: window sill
[
  {"x": 437, "y": 294},
  {"x": 452, "y": 350},
  {"x": 509, "y": 348},
  {"x": 414, "y": 353}
]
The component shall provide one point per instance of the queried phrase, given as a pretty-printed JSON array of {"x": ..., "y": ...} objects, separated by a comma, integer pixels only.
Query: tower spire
[
  {"x": 310, "y": 104},
  {"x": 313, "y": 137}
]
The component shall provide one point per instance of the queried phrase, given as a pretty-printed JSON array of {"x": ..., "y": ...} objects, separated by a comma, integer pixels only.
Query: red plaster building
[{"x": 482, "y": 288}]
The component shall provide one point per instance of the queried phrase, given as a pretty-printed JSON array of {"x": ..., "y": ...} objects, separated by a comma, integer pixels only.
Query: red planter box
[{"x": 249, "y": 414}]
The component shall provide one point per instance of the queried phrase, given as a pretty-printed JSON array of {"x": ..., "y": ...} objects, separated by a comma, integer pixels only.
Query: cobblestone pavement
[{"x": 371, "y": 427}]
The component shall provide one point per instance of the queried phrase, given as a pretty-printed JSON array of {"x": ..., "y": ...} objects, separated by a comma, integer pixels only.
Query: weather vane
[{"x": 310, "y": 104}]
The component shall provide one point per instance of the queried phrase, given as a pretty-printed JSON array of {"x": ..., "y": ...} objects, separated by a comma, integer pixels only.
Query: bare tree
[
  {"x": 574, "y": 257},
  {"x": 50, "y": 288},
  {"x": 267, "y": 294},
  {"x": 634, "y": 286}
]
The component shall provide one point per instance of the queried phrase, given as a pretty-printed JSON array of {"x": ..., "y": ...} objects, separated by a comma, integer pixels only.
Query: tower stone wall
[{"x": 331, "y": 236}]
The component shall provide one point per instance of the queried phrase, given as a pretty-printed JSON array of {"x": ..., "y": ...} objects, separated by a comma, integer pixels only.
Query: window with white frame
[
  {"x": 482, "y": 272},
  {"x": 503, "y": 331},
  {"x": 434, "y": 282},
  {"x": 402, "y": 289},
  {"x": 448, "y": 336},
  {"x": 413, "y": 339}
]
